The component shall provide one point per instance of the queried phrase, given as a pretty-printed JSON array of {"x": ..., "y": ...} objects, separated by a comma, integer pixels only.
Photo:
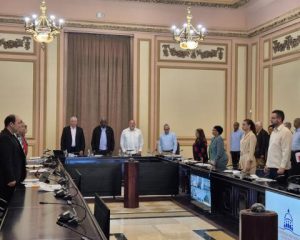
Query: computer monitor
[
  {"x": 288, "y": 210},
  {"x": 200, "y": 192},
  {"x": 102, "y": 215}
]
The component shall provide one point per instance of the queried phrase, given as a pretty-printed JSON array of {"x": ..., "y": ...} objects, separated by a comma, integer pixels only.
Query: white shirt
[
  {"x": 103, "y": 140},
  {"x": 131, "y": 141},
  {"x": 73, "y": 133},
  {"x": 279, "y": 152}
]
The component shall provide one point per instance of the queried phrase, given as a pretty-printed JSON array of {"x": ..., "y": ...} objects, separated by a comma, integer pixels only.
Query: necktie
[{"x": 25, "y": 146}]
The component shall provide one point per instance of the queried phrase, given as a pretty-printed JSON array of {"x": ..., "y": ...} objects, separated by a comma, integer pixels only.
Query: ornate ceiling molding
[
  {"x": 277, "y": 22},
  {"x": 237, "y": 4},
  {"x": 280, "y": 21}
]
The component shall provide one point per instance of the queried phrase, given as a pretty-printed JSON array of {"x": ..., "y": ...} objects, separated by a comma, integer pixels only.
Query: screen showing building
[
  {"x": 288, "y": 210},
  {"x": 200, "y": 190}
]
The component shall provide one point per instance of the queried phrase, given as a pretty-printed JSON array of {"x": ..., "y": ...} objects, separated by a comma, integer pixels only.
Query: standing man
[
  {"x": 12, "y": 157},
  {"x": 72, "y": 138},
  {"x": 167, "y": 141},
  {"x": 235, "y": 142},
  {"x": 279, "y": 152},
  {"x": 22, "y": 139},
  {"x": 103, "y": 139},
  {"x": 288, "y": 125},
  {"x": 262, "y": 145},
  {"x": 132, "y": 140}
]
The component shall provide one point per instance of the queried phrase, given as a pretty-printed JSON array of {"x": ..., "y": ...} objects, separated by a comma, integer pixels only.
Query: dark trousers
[
  {"x": 295, "y": 170},
  {"x": 273, "y": 173},
  {"x": 235, "y": 156},
  {"x": 6, "y": 192},
  {"x": 102, "y": 152},
  {"x": 73, "y": 150}
]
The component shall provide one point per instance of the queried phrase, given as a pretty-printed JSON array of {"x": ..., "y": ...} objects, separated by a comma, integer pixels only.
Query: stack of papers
[
  {"x": 31, "y": 182},
  {"x": 190, "y": 161},
  {"x": 44, "y": 187},
  {"x": 203, "y": 164},
  {"x": 40, "y": 170},
  {"x": 265, "y": 180},
  {"x": 232, "y": 171},
  {"x": 34, "y": 166}
]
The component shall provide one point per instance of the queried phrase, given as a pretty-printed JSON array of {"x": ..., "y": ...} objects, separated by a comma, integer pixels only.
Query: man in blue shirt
[
  {"x": 167, "y": 141},
  {"x": 103, "y": 140},
  {"x": 295, "y": 170},
  {"x": 235, "y": 141}
]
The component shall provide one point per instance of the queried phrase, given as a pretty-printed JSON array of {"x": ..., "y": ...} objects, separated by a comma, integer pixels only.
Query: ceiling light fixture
[
  {"x": 43, "y": 28},
  {"x": 188, "y": 36}
]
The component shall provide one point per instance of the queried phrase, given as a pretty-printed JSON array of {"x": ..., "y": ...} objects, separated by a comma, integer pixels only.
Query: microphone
[
  {"x": 46, "y": 151},
  {"x": 83, "y": 236},
  {"x": 67, "y": 213},
  {"x": 69, "y": 218},
  {"x": 44, "y": 177}
]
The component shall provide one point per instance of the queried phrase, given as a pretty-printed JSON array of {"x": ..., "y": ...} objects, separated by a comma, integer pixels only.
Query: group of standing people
[
  {"x": 274, "y": 151},
  {"x": 216, "y": 152},
  {"x": 251, "y": 147},
  {"x": 103, "y": 139}
]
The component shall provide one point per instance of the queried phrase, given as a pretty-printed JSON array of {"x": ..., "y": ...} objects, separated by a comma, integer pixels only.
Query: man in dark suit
[
  {"x": 103, "y": 139},
  {"x": 262, "y": 145},
  {"x": 12, "y": 157},
  {"x": 72, "y": 138}
]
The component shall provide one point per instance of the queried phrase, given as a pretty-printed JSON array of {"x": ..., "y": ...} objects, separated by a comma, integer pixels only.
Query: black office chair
[
  {"x": 3, "y": 207},
  {"x": 77, "y": 178},
  {"x": 178, "y": 149}
]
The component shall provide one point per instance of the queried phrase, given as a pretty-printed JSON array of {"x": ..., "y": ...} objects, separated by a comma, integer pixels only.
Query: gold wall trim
[
  {"x": 254, "y": 101},
  {"x": 158, "y": 68},
  {"x": 149, "y": 85},
  {"x": 284, "y": 54},
  {"x": 57, "y": 142},
  {"x": 190, "y": 61},
  {"x": 235, "y": 4},
  {"x": 269, "y": 93},
  {"x": 34, "y": 45},
  {"x": 270, "y": 25},
  {"x": 270, "y": 50},
  {"x": 236, "y": 77},
  {"x": 34, "y": 97}
]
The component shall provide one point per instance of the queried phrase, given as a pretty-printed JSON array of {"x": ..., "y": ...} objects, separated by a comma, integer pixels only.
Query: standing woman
[
  {"x": 295, "y": 170},
  {"x": 200, "y": 146},
  {"x": 248, "y": 144},
  {"x": 217, "y": 153}
]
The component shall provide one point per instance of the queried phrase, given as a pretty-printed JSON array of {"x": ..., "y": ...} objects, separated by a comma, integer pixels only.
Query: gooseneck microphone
[
  {"x": 70, "y": 204},
  {"x": 83, "y": 236}
]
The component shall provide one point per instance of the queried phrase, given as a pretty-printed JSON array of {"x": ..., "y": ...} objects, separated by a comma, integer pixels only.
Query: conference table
[
  {"x": 27, "y": 219},
  {"x": 160, "y": 175}
]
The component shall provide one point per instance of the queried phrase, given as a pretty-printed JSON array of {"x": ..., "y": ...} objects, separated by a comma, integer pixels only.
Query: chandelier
[
  {"x": 188, "y": 36},
  {"x": 43, "y": 28}
]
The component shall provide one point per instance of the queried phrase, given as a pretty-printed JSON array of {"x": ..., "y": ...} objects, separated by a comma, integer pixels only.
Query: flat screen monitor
[
  {"x": 288, "y": 210},
  {"x": 200, "y": 192},
  {"x": 102, "y": 215}
]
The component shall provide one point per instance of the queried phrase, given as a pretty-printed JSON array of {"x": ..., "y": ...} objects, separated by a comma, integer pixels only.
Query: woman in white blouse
[{"x": 248, "y": 144}]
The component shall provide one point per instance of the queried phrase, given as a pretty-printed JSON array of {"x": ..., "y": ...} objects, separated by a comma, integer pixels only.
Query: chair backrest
[
  {"x": 102, "y": 215},
  {"x": 3, "y": 205},
  {"x": 178, "y": 148}
]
